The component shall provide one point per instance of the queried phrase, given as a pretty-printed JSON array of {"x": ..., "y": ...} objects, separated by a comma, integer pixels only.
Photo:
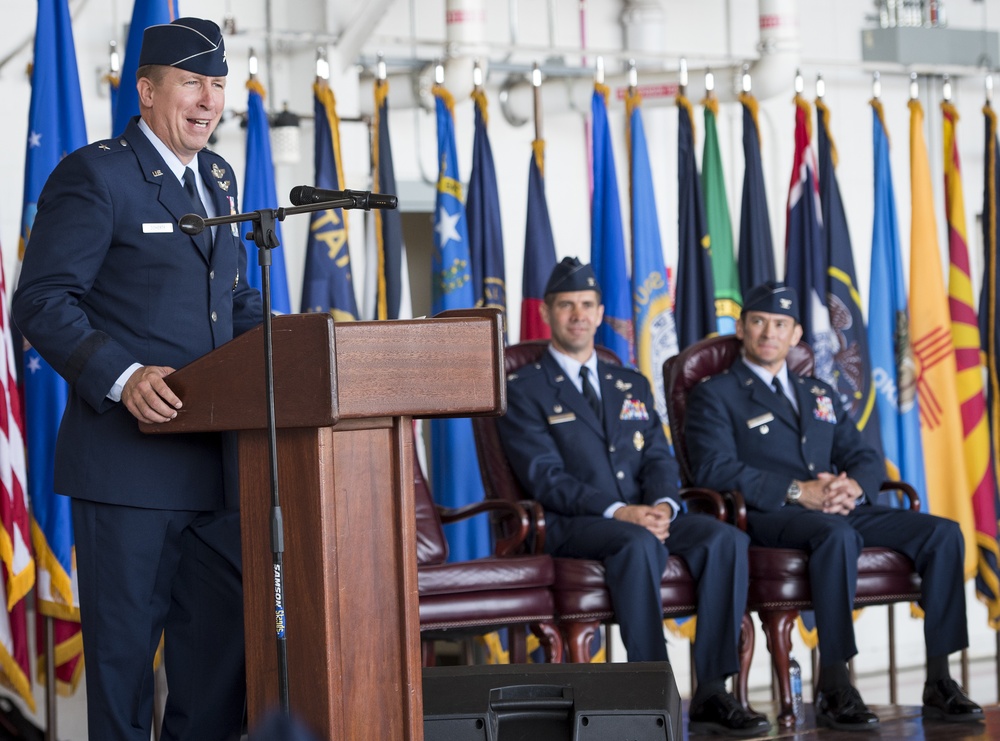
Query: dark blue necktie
[
  {"x": 192, "y": 191},
  {"x": 780, "y": 391},
  {"x": 590, "y": 394}
]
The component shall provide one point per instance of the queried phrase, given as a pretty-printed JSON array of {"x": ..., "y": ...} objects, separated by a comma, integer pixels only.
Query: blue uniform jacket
[
  {"x": 109, "y": 280},
  {"x": 741, "y": 435},
  {"x": 570, "y": 463}
]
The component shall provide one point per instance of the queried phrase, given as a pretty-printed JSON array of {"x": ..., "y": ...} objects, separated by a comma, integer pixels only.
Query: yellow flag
[{"x": 948, "y": 492}]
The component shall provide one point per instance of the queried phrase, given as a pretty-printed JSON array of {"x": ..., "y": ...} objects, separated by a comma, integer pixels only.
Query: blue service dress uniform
[
  {"x": 109, "y": 280},
  {"x": 741, "y": 435},
  {"x": 576, "y": 467}
]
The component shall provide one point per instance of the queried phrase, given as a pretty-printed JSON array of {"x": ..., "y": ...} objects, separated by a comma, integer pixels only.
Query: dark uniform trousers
[
  {"x": 740, "y": 435},
  {"x": 576, "y": 467}
]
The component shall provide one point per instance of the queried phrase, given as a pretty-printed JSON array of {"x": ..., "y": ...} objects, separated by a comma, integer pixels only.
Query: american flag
[{"x": 18, "y": 570}]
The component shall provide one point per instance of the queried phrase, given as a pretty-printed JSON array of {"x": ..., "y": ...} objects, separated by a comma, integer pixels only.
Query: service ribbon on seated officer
[
  {"x": 115, "y": 297},
  {"x": 809, "y": 480},
  {"x": 585, "y": 440}
]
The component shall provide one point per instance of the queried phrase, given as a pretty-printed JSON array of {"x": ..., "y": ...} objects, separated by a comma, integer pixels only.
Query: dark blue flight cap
[
  {"x": 772, "y": 297},
  {"x": 572, "y": 275},
  {"x": 191, "y": 44}
]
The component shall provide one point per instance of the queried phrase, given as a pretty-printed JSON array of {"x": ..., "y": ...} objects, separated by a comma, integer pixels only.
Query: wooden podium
[{"x": 345, "y": 395}]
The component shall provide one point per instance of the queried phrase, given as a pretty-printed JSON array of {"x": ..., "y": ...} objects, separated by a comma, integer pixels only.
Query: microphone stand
[{"x": 266, "y": 239}]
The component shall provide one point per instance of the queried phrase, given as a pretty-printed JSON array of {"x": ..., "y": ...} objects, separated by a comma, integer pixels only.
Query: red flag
[
  {"x": 539, "y": 249},
  {"x": 965, "y": 337}
]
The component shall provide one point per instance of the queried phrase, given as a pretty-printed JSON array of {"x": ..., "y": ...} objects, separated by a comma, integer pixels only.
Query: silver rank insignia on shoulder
[
  {"x": 218, "y": 172},
  {"x": 817, "y": 391},
  {"x": 157, "y": 173},
  {"x": 622, "y": 385},
  {"x": 224, "y": 184},
  {"x": 232, "y": 210},
  {"x": 104, "y": 146},
  {"x": 638, "y": 441}
]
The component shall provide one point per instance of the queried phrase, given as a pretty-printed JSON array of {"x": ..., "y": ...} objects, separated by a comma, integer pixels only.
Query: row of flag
[{"x": 912, "y": 380}]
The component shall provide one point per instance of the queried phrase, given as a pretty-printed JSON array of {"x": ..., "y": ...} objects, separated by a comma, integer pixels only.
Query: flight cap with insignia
[
  {"x": 572, "y": 275},
  {"x": 772, "y": 297},
  {"x": 191, "y": 44}
]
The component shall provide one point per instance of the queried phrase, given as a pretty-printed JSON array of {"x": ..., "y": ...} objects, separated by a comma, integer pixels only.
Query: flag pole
[
  {"x": 50, "y": 680},
  {"x": 536, "y": 84}
]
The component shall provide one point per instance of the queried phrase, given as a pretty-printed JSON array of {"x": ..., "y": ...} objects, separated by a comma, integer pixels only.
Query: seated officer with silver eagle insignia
[
  {"x": 585, "y": 440},
  {"x": 809, "y": 478}
]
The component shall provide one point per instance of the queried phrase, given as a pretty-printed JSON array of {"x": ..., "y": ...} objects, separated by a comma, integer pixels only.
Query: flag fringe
[
  {"x": 46, "y": 560},
  {"x": 12, "y": 675},
  {"x": 825, "y": 117},
  {"x": 751, "y": 104}
]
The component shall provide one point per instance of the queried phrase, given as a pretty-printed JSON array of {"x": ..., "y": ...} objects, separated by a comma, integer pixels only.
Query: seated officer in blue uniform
[
  {"x": 809, "y": 480},
  {"x": 586, "y": 442}
]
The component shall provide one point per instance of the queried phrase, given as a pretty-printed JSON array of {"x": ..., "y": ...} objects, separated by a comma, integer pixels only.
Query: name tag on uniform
[
  {"x": 166, "y": 228},
  {"x": 761, "y": 420},
  {"x": 558, "y": 419}
]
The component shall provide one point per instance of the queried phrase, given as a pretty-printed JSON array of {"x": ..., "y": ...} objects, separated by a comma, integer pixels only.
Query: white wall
[{"x": 708, "y": 30}]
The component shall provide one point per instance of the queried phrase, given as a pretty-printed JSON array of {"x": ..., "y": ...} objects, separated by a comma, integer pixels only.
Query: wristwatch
[{"x": 794, "y": 492}]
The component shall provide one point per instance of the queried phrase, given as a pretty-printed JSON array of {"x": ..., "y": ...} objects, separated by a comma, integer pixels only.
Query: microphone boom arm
[{"x": 195, "y": 224}]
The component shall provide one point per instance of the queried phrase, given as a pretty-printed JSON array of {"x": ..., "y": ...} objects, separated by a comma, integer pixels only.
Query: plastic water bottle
[{"x": 795, "y": 674}]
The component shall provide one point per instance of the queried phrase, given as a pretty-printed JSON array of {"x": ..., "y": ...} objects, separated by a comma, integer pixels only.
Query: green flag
[{"x": 720, "y": 229}]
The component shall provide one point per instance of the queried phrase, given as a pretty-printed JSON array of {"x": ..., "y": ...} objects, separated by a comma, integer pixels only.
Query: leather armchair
[
  {"x": 779, "y": 578},
  {"x": 582, "y": 600},
  {"x": 482, "y": 595}
]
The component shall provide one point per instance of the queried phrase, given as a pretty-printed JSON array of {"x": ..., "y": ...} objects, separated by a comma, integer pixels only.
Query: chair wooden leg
[
  {"x": 893, "y": 696},
  {"x": 427, "y": 653},
  {"x": 746, "y": 656},
  {"x": 551, "y": 640},
  {"x": 516, "y": 647},
  {"x": 579, "y": 636},
  {"x": 778, "y": 631}
]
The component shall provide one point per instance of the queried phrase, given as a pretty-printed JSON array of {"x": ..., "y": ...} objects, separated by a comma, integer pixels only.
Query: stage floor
[{"x": 897, "y": 722}]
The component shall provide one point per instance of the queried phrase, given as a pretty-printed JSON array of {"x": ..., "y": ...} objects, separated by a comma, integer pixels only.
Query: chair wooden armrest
[
  {"x": 506, "y": 545},
  {"x": 708, "y": 501},
  {"x": 537, "y": 514},
  {"x": 736, "y": 508},
  {"x": 904, "y": 491}
]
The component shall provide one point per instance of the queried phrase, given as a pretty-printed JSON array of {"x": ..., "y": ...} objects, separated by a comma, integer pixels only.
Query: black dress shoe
[
  {"x": 844, "y": 710},
  {"x": 721, "y": 714},
  {"x": 945, "y": 700}
]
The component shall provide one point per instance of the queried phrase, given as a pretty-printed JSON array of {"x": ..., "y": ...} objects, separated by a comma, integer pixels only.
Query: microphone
[
  {"x": 192, "y": 224},
  {"x": 303, "y": 195}
]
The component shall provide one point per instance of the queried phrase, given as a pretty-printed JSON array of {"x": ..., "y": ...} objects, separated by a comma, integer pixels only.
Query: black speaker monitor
[{"x": 552, "y": 702}]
